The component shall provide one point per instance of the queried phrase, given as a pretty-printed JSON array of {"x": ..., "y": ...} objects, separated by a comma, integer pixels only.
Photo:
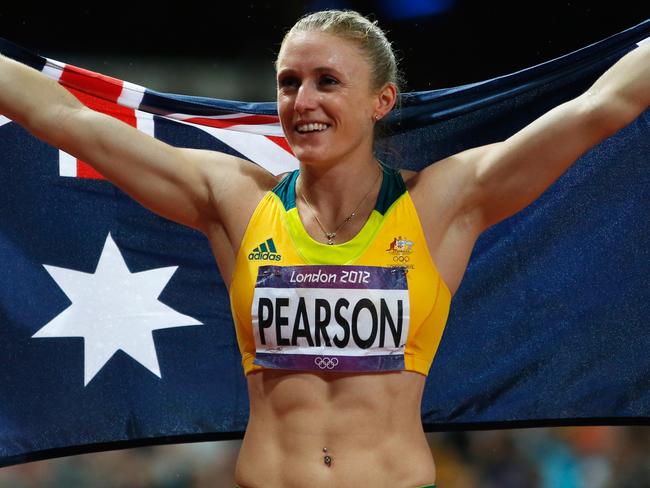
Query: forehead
[{"x": 305, "y": 51}]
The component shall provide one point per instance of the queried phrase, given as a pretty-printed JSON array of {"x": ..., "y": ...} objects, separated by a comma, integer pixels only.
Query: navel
[{"x": 327, "y": 459}]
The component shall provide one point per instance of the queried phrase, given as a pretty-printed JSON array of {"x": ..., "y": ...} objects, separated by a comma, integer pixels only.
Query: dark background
[{"x": 450, "y": 43}]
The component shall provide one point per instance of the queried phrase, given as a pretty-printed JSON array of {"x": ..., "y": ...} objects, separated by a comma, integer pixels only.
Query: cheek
[
  {"x": 354, "y": 108},
  {"x": 284, "y": 111},
  {"x": 280, "y": 105},
  {"x": 357, "y": 115}
]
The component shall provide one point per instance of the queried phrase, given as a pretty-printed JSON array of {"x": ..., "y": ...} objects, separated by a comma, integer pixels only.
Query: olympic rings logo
[
  {"x": 401, "y": 259},
  {"x": 326, "y": 363}
]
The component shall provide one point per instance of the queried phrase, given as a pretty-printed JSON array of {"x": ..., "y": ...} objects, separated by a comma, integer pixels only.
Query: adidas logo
[{"x": 265, "y": 250}]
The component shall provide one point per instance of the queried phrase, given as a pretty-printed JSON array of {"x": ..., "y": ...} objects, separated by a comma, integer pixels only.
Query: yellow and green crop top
[{"x": 375, "y": 303}]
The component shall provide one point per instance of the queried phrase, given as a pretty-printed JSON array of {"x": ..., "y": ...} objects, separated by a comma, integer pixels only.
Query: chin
[{"x": 309, "y": 156}]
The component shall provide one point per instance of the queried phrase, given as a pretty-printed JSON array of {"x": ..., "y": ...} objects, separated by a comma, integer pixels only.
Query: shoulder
[
  {"x": 236, "y": 185},
  {"x": 444, "y": 190},
  {"x": 452, "y": 177}
]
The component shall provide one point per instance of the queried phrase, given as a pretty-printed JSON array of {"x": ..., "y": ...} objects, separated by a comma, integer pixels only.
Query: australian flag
[{"x": 115, "y": 325}]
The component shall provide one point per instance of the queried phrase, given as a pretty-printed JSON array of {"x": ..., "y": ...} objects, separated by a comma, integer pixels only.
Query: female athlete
[{"x": 336, "y": 79}]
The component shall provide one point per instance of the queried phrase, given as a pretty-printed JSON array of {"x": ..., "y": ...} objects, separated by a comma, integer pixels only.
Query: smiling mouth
[{"x": 312, "y": 128}]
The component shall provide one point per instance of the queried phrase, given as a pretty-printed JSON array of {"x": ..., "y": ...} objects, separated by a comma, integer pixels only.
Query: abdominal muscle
[{"x": 370, "y": 424}]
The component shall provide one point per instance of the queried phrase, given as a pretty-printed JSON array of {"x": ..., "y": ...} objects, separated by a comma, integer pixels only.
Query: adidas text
[{"x": 259, "y": 256}]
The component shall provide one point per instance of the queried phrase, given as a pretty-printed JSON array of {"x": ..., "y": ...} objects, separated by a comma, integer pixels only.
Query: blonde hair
[{"x": 351, "y": 25}]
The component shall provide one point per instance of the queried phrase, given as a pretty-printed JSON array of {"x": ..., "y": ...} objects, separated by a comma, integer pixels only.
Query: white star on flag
[{"x": 114, "y": 309}]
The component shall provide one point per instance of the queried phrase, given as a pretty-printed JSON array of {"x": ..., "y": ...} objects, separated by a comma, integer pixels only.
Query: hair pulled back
[{"x": 352, "y": 26}]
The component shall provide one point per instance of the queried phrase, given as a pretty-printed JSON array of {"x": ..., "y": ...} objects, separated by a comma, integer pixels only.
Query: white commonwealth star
[{"x": 114, "y": 309}]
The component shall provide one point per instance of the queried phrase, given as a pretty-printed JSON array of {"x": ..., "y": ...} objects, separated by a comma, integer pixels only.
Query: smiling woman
[{"x": 338, "y": 337}]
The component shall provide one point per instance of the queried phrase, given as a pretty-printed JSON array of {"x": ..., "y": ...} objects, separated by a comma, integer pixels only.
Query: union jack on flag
[{"x": 250, "y": 131}]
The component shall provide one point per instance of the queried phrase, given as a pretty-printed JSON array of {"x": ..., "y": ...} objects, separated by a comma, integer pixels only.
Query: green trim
[
  {"x": 285, "y": 190},
  {"x": 392, "y": 187},
  {"x": 314, "y": 252}
]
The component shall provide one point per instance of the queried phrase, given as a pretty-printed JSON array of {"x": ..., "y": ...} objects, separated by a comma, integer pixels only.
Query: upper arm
[
  {"x": 169, "y": 181},
  {"x": 450, "y": 188},
  {"x": 515, "y": 172}
]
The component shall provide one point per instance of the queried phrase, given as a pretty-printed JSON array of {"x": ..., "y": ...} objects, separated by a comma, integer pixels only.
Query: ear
[{"x": 385, "y": 100}]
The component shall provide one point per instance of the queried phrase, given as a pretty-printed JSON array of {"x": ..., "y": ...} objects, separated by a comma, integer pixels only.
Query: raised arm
[
  {"x": 484, "y": 185},
  {"x": 176, "y": 183},
  {"x": 515, "y": 172}
]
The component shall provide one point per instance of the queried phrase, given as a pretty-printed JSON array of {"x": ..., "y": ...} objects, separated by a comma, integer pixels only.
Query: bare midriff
[{"x": 334, "y": 429}]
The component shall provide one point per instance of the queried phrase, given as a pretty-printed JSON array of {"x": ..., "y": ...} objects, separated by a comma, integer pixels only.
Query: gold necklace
[{"x": 331, "y": 235}]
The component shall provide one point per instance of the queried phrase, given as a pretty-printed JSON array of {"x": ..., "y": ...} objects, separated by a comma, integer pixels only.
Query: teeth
[{"x": 312, "y": 127}]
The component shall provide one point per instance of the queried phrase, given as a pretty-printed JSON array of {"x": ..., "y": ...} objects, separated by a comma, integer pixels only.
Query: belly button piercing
[{"x": 327, "y": 459}]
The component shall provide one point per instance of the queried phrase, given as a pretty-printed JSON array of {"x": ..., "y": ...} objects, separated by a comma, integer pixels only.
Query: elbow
[{"x": 609, "y": 112}]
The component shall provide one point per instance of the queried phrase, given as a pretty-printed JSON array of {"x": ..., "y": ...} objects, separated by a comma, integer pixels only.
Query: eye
[
  {"x": 328, "y": 80},
  {"x": 287, "y": 81}
]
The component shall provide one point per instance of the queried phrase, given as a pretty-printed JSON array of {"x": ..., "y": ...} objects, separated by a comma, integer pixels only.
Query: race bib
[{"x": 331, "y": 317}]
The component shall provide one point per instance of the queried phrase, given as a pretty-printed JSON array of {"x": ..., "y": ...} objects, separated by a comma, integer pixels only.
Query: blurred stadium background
[
  {"x": 560, "y": 457},
  {"x": 226, "y": 51}
]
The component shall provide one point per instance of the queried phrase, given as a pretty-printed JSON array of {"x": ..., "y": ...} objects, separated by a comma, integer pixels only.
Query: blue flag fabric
[{"x": 115, "y": 326}]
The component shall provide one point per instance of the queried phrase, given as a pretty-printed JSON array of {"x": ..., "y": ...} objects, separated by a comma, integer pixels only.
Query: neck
[{"x": 334, "y": 191}]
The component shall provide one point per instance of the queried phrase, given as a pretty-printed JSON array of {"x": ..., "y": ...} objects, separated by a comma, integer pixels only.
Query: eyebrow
[{"x": 319, "y": 69}]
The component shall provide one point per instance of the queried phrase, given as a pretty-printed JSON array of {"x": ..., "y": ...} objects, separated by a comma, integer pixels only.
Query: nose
[{"x": 306, "y": 98}]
